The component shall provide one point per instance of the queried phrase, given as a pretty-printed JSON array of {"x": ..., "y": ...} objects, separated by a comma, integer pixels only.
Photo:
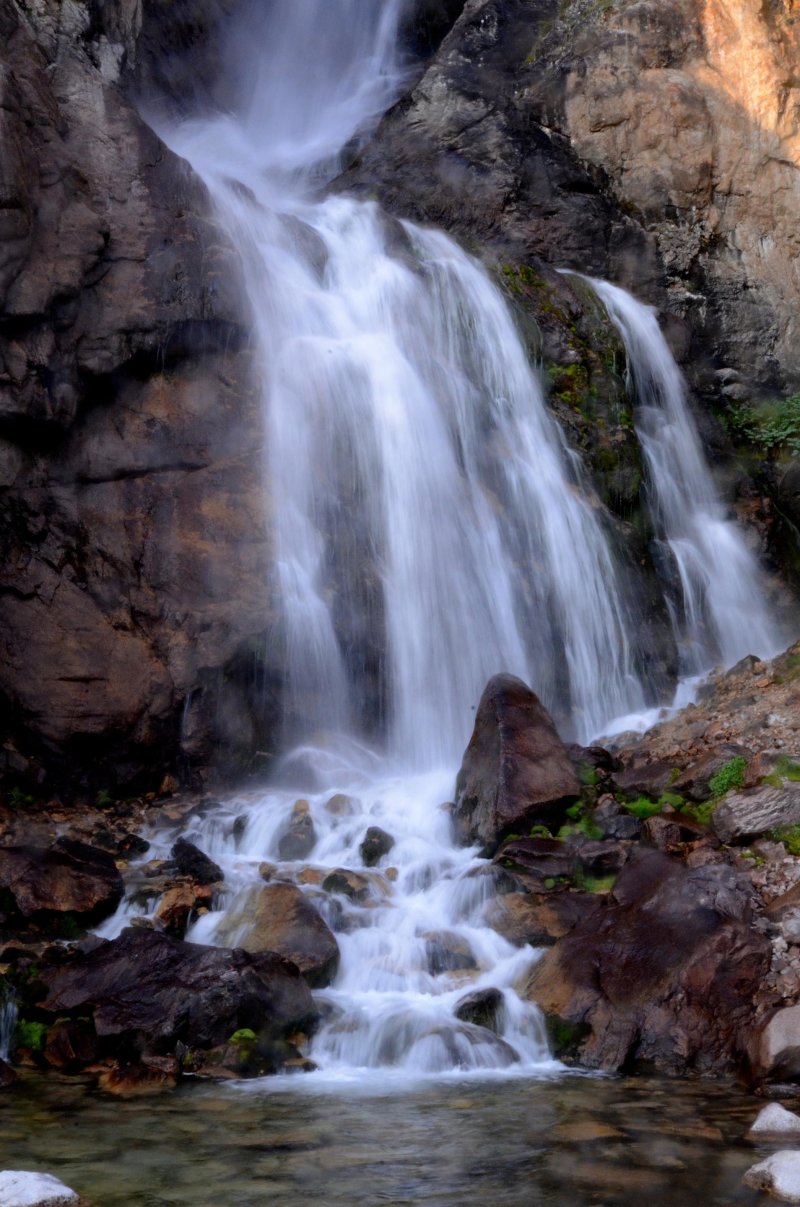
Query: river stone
[
  {"x": 774, "y": 1120},
  {"x": 779, "y": 1045},
  {"x": 515, "y": 770},
  {"x": 779, "y": 1175},
  {"x": 285, "y": 921},
  {"x": 481, "y": 1008},
  {"x": 21, "y": 1189},
  {"x": 349, "y": 884},
  {"x": 192, "y": 862},
  {"x": 665, "y": 975},
  {"x": 147, "y": 992},
  {"x": 756, "y": 810},
  {"x": 375, "y": 844},
  {"x": 540, "y": 918},
  {"x": 67, "y": 878},
  {"x": 299, "y": 838}
]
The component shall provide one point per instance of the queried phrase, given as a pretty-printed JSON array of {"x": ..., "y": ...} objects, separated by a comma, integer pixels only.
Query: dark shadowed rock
[
  {"x": 190, "y": 861},
  {"x": 349, "y": 884},
  {"x": 650, "y": 779},
  {"x": 147, "y": 992},
  {"x": 375, "y": 844},
  {"x": 67, "y": 878},
  {"x": 482, "y": 1008},
  {"x": 515, "y": 770},
  {"x": 665, "y": 975},
  {"x": 535, "y": 860},
  {"x": 282, "y": 919},
  {"x": 70, "y": 1044}
]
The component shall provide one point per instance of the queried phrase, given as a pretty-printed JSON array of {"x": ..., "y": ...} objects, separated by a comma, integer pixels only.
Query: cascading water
[
  {"x": 431, "y": 529},
  {"x": 721, "y": 613}
]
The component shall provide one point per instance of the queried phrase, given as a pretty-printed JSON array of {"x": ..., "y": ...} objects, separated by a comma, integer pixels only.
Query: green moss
[
  {"x": 788, "y": 769},
  {"x": 540, "y": 832},
  {"x": 731, "y": 775},
  {"x": 30, "y": 1035},
  {"x": 18, "y": 799},
  {"x": 565, "y": 1037},
  {"x": 243, "y": 1036},
  {"x": 594, "y": 884},
  {"x": 701, "y": 811},
  {"x": 643, "y": 807},
  {"x": 789, "y": 836}
]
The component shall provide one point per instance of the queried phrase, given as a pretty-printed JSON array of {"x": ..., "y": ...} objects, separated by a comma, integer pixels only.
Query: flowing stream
[{"x": 432, "y": 528}]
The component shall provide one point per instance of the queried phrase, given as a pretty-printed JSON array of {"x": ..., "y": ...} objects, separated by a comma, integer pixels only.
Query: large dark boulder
[
  {"x": 280, "y": 918},
  {"x": 146, "y": 992},
  {"x": 515, "y": 770},
  {"x": 69, "y": 878},
  {"x": 664, "y": 976}
]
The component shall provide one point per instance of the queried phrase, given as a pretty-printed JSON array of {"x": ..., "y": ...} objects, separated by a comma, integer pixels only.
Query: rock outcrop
[{"x": 65, "y": 883}]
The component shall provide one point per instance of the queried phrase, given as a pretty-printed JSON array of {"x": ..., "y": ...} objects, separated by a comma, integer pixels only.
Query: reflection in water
[{"x": 572, "y": 1142}]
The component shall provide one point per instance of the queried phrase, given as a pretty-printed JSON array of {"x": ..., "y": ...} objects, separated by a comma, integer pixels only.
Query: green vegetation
[
  {"x": 788, "y": 769},
  {"x": 701, "y": 811},
  {"x": 731, "y": 775},
  {"x": 643, "y": 807},
  {"x": 594, "y": 884},
  {"x": 18, "y": 799},
  {"x": 579, "y": 823},
  {"x": 588, "y": 775},
  {"x": 104, "y": 799},
  {"x": 30, "y": 1035},
  {"x": 789, "y": 836},
  {"x": 243, "y": 1037},
  {"x": 774, "y": 427},
  {"x": 540, "y": 831}
]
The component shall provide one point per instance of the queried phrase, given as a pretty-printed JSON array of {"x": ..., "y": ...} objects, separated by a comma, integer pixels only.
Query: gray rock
[
  {"x": 779, "y": 1175},
  {"x": 779, "y": 1044},
  {"x": 756, "y": 810},
  {"x": 18, "y": 1188},
  {"x": 774, "y": 1120}
]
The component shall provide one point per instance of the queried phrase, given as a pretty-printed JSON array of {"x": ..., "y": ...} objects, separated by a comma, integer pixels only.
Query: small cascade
[
  {"x": 720, "y": 613},
  {"x": 8, "y": 1021}
]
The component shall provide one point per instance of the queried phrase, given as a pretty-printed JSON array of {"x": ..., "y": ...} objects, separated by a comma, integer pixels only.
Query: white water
[
  {"x": 431, "y": 528},
  {"x": 721, "y": 613}
]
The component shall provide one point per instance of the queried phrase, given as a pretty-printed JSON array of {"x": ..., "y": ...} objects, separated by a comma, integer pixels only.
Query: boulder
[
  {"x": 190, "y": 861},
  {"x": 779, "y": 1175},
  {"x": 348, "y": 883},
  {"x": 179, "y": 902},
  {"x": 146, "y": 993},
  {"x": 535, "y": 860},
  {"x": 774, "y": 1121},
  {"x": 375, "y": 844},
  {"x": 70, "y": 1044},
  {"x": 515, "y": 770},
  {"x": 694, "y": 780},
  {"x": 282, "y": 919},
  {"x": 299, "y": 838},
  {"x": 645, "y": 779},
  {"x": 756, "y": 810},
  {"x": 778, "y": 1048},
  {"x": 540, "y": 918},
  {"x": 446, "y": 951},
  {"x": 150, "y": 1075},
  {"x": 481, "y": 1008},
  {"x": 67, "y": 878},
  {"x": 18, "y": 1188},
  {"x": 663, "y": 976}
]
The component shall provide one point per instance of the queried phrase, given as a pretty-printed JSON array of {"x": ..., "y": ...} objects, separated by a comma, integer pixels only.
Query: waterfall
[
  {"x": 720, "y": 614},
  {"x": 431, "y": 529}
]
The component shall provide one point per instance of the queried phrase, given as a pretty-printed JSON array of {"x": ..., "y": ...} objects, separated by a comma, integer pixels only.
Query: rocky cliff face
[
  {"x": 655, "y": 143},
  {"x": 135, "y": 550}
]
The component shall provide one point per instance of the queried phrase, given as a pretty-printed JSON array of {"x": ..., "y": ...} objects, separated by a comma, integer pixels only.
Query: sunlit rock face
[{"x": 653, "y": 142}]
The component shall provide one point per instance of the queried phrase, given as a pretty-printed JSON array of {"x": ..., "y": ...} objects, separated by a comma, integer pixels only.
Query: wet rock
[
  {"x": 340, "y": 805},
  {"x": 375, "y": 844},
  {"x": 448, "y": 952},
  {"x": 779, "y": 1175},
  {"x": 614, "y": 821},
  {"x": 602, "y": 858},
  {"x": 7, "y": 1075},
  {"x": 150, "y": 1075},
  {"x": 540, "y": 918},
  {"x": 147, "y": 992},
  {"x": 774, "y": 1121},
  {"x": 481, "y": 1008},
  {"x": 300, "y": 837},
  {"x": 756, "y": 810},
  {"x": 67, "y": 878},
  {"x": 283, "y": 920},
  {"x": 779, "y": 1045},
  {"x": 665, "y": 975},
  {"x": 190, "y": 861},
  {"x": 535, "y": 860},
  {"x": 350, "y": 884},
  {"x": 70, "y": 1044},
  {"x": 584, "y": 1131},
  {"x": 693, "y": 782},
  {"x": 661, "y": 832},
  {"x": 645, "y": 779},
  {"x": 180, "y": 902},
  {"x": 515, "y": 770},
  {"x": 19, "y": 1188}
]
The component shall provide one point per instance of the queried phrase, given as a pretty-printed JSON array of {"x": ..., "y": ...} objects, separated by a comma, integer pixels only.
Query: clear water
[{"x": 513, "y": 1144}]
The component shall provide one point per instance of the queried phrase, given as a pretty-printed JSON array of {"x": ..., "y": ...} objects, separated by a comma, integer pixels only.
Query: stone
[
  {"x": 661, "y": 832},
  {"x": 481, "y": 1008},
  {"x": 7, "y": 1075},
  {"x": 515, "y": 770},
  {"x": 779, "y": 1175},
  {"x": 535, "y": 860},
  {"x": 693, "y": 781},
  {"x": 21, "y": 1189},
  {"x": 448, "y": 952},
  {"x": 645, "y": 779},
  {"x": 282, "y": 919},
  {"x": 70, "y": 1044},
  {"x": 375, "y": 844},
  {"x": 179, "y": 902},
  {"x": 350, "y": 884},
  {"x": 67, "y": 878},
  {"x": 665, "y": 975},
  {"x": 151, "y": 1075},
  {"x": 773, "y": 1121},
  {"x": 602, "y": 858},
  {"x": 779, "y": 1045},
  {"x": 299, "y": 838},
  {"x": 539, "y": 919},
  {"x": 149, "y": 992},
  {"x": 756, "y": 810},
  {"x": 190, "y": 861}
]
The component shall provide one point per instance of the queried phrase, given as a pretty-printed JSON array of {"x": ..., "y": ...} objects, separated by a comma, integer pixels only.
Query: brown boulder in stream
[
  {"x": 515, "y": 770},
  {"x": 284, "y": 920},
  {"x": 664, "y": 976},
  {"x": 69, "y": 878}
]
